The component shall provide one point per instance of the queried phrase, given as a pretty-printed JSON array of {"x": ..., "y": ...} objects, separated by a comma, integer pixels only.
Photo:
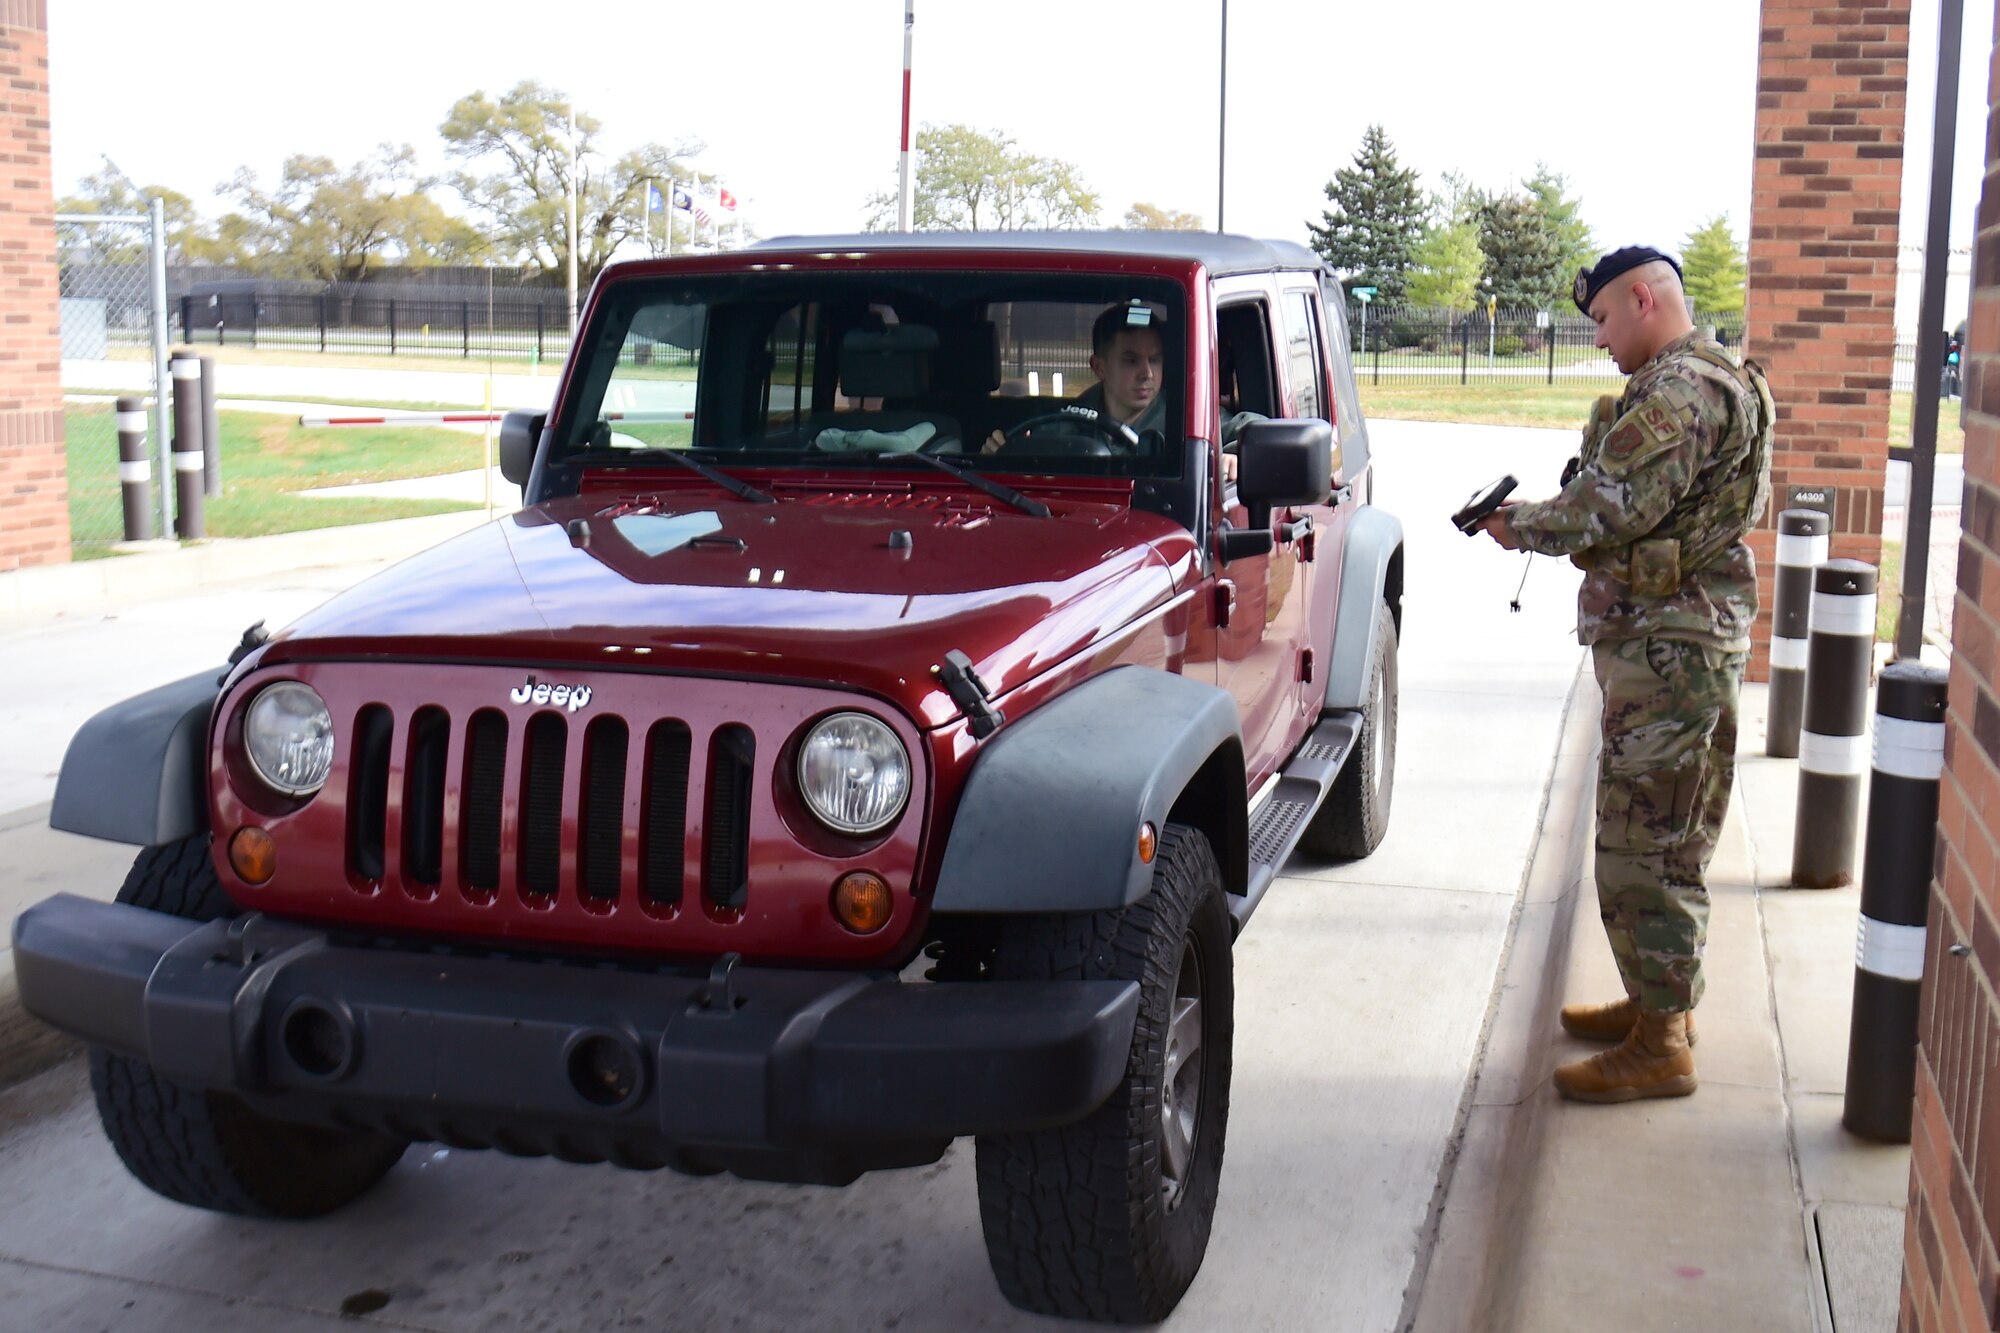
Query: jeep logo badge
[{"x": 533, "y": 691}]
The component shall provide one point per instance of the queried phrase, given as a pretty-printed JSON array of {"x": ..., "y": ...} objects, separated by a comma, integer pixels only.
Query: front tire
[
  {"x": 208, "y": 1149},
  {"x": 1109, "y": 1218},
  {"x": 1355, "y": 817}
]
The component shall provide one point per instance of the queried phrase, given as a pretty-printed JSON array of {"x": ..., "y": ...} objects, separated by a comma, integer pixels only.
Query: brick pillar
[
  {"x": 34, "y": 500},
  {"x": 1951, "y": 1268},
  {"x": 1820, "y": 308}
]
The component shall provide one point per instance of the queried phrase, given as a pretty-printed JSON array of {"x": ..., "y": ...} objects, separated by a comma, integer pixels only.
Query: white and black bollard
[
  {"x": 211, "y": 432},
  {"x": 188, "y": 523},
  {"x": 1895, "y": 892},
  {"x": 1802, "y": 538},
  {"x": 135, "y": 469},
  {"x": 1833, "y": 740}
]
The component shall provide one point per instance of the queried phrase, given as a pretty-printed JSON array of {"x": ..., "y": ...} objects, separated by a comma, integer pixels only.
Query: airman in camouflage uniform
[{"x": 1670, "y": 478}]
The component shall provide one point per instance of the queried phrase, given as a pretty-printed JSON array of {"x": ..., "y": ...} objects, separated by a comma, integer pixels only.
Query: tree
[
  {"x": 970, "y": 180},
  {"x": 322, "y": 221},
  {"x": 1151, "y": 217},
  {"x": 1713, "y": 268},
  {"x": 1371, "y": 231},
  {"x": 1524, "y": 254},
  {"x": 109, "y": 190},
  {"x": 1448, "y": 266},
  {"x": 526, "y": 148},
  {"x": 1575, "y": 246}
]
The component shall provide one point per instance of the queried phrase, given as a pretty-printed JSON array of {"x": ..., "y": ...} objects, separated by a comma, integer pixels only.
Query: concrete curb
[
  {"x": 35, "y": 594},
  {"x": 1464, "y": 1279}
]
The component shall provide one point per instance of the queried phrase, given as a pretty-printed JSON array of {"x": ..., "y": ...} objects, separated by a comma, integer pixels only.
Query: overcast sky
[{"x": 798, "y": 100}]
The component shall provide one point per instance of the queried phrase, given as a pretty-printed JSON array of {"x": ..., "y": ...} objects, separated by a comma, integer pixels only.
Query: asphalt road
[{"x": 1362, "y": 994}]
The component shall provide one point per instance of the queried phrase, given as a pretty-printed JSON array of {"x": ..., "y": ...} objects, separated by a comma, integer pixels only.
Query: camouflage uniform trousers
[{"x": 1663, "y": 781}]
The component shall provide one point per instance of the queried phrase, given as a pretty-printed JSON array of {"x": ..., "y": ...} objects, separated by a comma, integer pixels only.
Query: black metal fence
[
  {"x": 515, "y": 323},
  {"x": 1422, "y": 345}
]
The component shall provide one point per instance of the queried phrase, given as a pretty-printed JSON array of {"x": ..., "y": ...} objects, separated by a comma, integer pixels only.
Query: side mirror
[
  {"x": 1282, "y": 463},
  {"x": 519, "y": 433}
]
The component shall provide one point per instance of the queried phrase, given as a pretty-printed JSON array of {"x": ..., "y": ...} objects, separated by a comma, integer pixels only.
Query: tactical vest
[{"x": 1656, "y": 564}]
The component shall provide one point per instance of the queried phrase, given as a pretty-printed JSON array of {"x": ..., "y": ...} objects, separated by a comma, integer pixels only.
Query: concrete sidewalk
[{"x": 1745, "y": 1206}]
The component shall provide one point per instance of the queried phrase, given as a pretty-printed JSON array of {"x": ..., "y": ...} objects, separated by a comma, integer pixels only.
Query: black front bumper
[{"x": 769, "y": 1072}]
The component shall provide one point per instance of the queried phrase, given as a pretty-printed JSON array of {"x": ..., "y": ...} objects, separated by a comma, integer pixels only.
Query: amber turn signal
[
  {"x": 861, "y": 902},
  {"x": 1149, "y": 844},
  {"x": 253, "y": 854}
]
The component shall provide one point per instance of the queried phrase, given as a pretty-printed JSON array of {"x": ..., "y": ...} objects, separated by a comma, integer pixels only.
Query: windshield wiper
[
  {"x": 742, "y": 490},
  {"x": 1027, "y": 504}
]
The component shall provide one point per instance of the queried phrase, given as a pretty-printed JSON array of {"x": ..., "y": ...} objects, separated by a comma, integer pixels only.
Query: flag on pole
[
  {"x": 682, "y": 199},
  {"x": 654, "y": 204},
  {"x": 728, "y": 200}
]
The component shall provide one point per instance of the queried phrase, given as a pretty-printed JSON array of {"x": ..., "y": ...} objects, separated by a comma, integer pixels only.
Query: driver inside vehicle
[{"x": 1128, "y": 357}]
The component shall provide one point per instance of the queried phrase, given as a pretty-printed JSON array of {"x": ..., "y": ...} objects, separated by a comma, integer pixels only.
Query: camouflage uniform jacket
[{"x": 1670, "y": 478}]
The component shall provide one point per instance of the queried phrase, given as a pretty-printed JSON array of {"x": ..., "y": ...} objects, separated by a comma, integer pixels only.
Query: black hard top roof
[{"x": 1218, "y": 252}]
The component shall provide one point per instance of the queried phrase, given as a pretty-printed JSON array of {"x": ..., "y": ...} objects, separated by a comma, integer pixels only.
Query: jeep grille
[{"x": 626, "y": 821}]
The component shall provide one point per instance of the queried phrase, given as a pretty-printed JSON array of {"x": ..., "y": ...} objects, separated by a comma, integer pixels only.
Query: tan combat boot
[
  {"x": 1652, "y": 1061},
  {"x": 1609, "y": 1022}
]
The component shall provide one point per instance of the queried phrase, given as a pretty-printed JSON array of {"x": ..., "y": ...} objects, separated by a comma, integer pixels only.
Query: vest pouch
[{"x": 1656, "y": 567}]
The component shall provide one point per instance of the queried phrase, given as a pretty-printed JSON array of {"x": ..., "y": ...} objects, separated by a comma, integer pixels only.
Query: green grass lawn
[
  {"x": 1888, "y": 590},
  {"x": 265, "y": 460},
  {"x": 1499, "y": 403}
]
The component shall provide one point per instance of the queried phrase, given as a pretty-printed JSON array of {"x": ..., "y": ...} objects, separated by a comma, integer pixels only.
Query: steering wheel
[{"x": 1109, "y": 435}]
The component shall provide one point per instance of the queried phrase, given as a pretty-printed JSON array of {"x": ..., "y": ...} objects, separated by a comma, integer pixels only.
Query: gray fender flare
[
  {"x": 1049, "y": 818},
  {"x": 1371, "y": 573},
  {"x": 138, "y": 771}
]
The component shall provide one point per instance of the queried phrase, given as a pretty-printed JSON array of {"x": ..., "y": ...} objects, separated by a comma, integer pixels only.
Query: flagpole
[
  {"x": 905, "y": 195},
  {"x": 673, "y": 187}
]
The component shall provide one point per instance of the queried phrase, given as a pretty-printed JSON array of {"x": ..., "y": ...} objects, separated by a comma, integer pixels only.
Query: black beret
[{"x": 1591, "y": 281}]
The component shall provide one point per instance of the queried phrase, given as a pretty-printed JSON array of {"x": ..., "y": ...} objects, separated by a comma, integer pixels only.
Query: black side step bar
[{"x": 1279, "y": 823}]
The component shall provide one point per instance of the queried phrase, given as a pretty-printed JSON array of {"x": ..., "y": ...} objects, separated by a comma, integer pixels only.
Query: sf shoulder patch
[{"x": 1650, "y": 428}]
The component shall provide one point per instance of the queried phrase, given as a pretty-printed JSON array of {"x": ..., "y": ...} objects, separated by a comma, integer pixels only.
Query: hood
[{"x": 866, "y": 588}]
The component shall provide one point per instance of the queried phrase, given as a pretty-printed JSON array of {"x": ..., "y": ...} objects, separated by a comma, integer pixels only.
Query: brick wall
[
  {"x": 1820, "y": 309},
  {"x": 1951, "y": 1269},
  {"x": 34, "y": 505}
]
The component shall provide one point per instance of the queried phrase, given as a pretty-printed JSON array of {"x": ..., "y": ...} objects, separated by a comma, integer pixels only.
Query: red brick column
[
  {"x": 1951, "y": 1269},
  {"x": 1820, "y": 308},
  {"x": 34, "y": 500}
]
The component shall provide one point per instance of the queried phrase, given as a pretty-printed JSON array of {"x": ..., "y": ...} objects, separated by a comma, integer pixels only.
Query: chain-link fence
[{"x": 108, "y": 351}]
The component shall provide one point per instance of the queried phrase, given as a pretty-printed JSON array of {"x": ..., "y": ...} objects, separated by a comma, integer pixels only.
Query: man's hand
[
  {"x": 1494, "y": 526},
  {"x": 993, "y": 442}
]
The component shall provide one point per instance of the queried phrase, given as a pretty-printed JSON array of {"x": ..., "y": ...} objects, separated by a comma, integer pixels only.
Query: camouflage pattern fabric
[
  {"x": 1663, "y": 780},
  {"x": 1660, "y": 500}
]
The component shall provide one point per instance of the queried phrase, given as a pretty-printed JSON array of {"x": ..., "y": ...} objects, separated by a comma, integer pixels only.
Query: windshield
[{"x": 1003, "y": 372}]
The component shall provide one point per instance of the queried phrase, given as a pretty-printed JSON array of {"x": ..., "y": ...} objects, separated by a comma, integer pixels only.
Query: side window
[
  {"x": 1305, "y": 368},
  {"x": 789, "y": 354},
  {"x": 1352, "y": 433},
  {"x": 1243, "y": 349}
]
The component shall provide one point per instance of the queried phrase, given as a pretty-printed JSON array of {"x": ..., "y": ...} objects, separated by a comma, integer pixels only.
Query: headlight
[
  {"x": 854, "y": 773},
  {"x": 288, "y": 735}
]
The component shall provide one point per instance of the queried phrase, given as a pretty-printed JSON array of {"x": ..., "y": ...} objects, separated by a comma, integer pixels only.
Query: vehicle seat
[{"x": 891, "y": 364}]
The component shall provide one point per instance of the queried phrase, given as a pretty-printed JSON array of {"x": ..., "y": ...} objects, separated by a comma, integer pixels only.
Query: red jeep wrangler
[{"x": 858, "y": 740}]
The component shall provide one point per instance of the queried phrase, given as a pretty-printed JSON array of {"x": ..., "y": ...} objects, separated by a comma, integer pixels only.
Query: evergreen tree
[
  {"x": 1370, "y": 232},
  {"x": 1713, "y": 266},
  {"x": 1527, "y": 265},
  {"x": 1575, "y": 245}
]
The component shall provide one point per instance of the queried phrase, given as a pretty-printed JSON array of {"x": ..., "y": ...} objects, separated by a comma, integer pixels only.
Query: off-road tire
[
  {"x": 1076, "y": 1219},
  {"x": 1355, "y": 816},
  {"x": 208, "y": 1149}
]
